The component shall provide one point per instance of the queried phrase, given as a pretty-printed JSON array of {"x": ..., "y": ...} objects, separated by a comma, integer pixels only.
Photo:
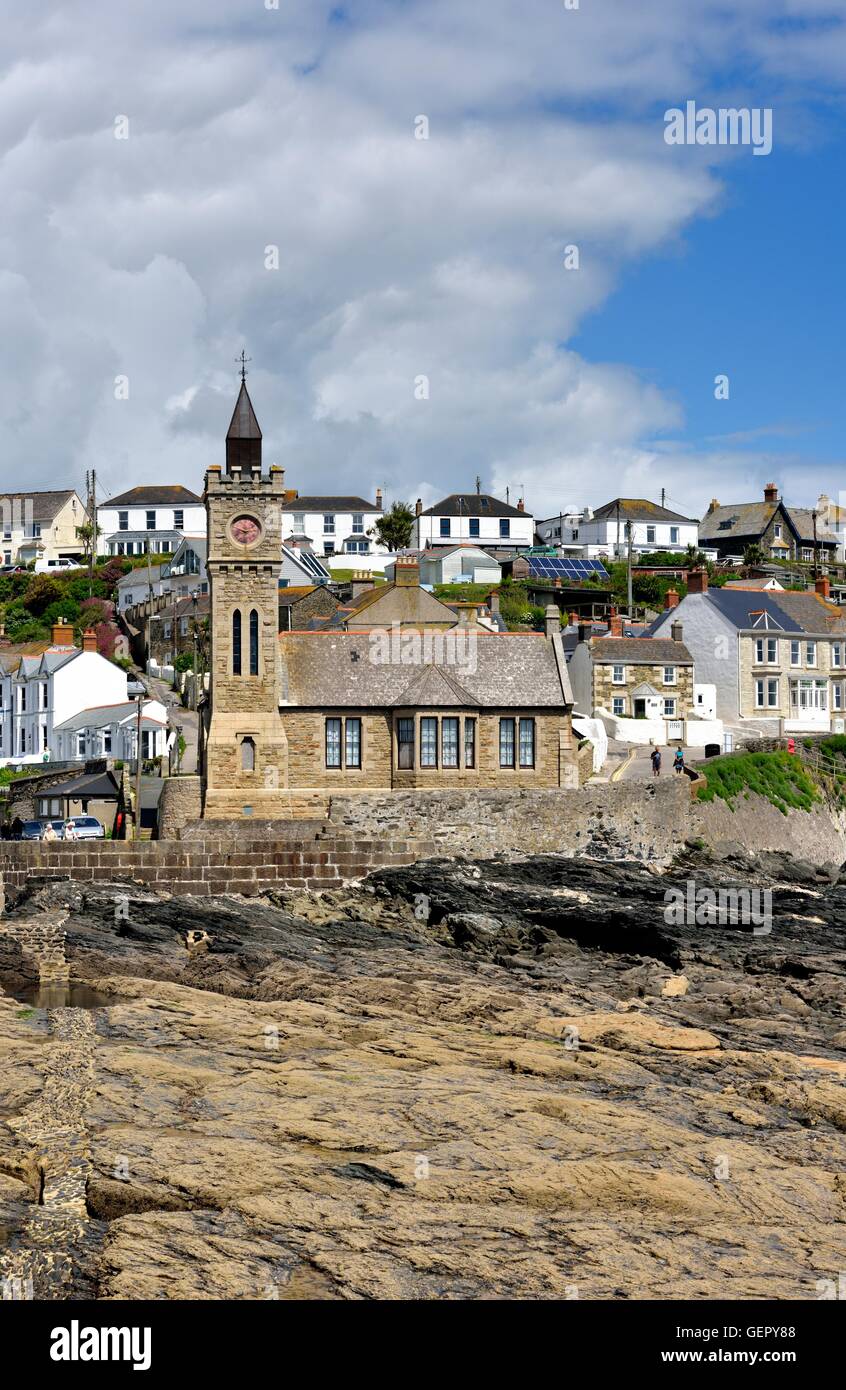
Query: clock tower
[{"x": 246, "y": 762}]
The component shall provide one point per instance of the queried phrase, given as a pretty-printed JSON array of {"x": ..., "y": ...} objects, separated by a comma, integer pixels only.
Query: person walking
[
  {"x": 656, "y": 762},
  {"x": 678, "y": 760}
]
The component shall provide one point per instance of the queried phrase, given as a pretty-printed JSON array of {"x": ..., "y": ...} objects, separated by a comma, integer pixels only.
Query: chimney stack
[
  {"x": 61, "y": 633},
  {"x": 697, "y": 582},
  {"x": 552, "y": 620},
  {"x": 671, "y": 598},
  {"x": 521, "y": 506},
  {"x": 822, "y": 586},
  {"x": 676, "y": 631},
  {"x": 713, "y": 506},
  {"x": 493, "y": 600},
  {"x": 378, "y": 499},
  {"x": 418, "y": 506},
  {"x": 583, "y": 631},
  {"x": 770, "y": 493},
  {"x": 615, "y": 625},
  {"x": 89, "y": 640},
  {"x": 406, "y": 572}
]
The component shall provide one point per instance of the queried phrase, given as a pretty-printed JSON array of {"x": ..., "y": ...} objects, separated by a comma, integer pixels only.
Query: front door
[{"x": 640, "y": 709}]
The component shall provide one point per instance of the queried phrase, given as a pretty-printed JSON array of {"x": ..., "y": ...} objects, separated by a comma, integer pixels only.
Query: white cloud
[{"x": 398, "y": 257}]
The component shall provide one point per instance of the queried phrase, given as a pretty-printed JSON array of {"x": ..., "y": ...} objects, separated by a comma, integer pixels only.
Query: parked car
[
  {"x": 28, "y": 830},
  {"x": 13, "y": 569},
  {"x": 56, "y": 566},
  {"x": 88, "y": 828}
]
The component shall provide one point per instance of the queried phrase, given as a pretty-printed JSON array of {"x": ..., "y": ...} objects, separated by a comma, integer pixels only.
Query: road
[{"x": 185, "y": 721}]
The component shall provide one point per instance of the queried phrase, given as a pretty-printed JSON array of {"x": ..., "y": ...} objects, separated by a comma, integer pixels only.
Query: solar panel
[{"x": 565, "y": 567}]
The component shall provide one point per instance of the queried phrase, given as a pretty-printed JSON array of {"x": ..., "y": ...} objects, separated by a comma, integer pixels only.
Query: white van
[{"x": 56, "y": 566}]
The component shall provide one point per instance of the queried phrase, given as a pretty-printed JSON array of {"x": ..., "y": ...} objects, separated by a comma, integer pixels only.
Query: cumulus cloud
[{"x": 252, "y": 128}]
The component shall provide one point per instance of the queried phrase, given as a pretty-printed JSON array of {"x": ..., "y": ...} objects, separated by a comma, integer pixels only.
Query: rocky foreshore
[{"x": 491, "y": 1079}]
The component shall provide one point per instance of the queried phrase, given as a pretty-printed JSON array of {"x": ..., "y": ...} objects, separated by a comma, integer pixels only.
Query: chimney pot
[
  {"x": 671, "y": 598},
  {"x": 770, "y": 492}
]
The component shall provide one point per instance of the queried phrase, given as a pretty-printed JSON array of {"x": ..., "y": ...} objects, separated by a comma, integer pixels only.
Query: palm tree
[{"x": 753, "y": 554}]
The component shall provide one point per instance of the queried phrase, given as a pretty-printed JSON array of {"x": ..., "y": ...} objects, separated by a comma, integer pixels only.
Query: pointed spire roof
[{"x": 243, "y": 424}]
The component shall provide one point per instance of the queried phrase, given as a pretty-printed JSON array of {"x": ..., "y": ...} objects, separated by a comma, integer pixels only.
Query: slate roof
[
  {"x": 139, "y": 572},
  {"x": 652, "y": 651},
  {"x": 472, "y": 504},
  {"x": 243, "y": 424},
  {"x": 637, "y": 509},
  {"x": 330, "y": 504},
  {"x": 45, "y": 505},
  {"x": 403, "y": 603},
  {"x": 155, "y": 495},
  {"x": 97, "y": 785},
  {"x": 792, "y": 612},
  {"x": 101, "y": 716},
  {"x": 750, "y": 519},
  {"x": 341, "y": 670}
]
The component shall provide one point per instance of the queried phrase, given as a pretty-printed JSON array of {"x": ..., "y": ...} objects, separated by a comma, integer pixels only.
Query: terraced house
[
  {"x": 776, "y": 657},
  {"x": 781, "y": 532},
  {"x": 430, "y": 702}
]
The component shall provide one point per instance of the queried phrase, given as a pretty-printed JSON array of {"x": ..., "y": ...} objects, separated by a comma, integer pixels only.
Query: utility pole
[
  {"x": 629, "y": 534},
  {"x": 478, "y": 486},
  {"x": 196, "y": 652},
  {"x": 617, "y": 551},
  {"x": 91, "y": 507},
  {"x": 663, "y": 490}
]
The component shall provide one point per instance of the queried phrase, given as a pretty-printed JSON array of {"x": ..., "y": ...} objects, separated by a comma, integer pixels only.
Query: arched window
[
  {"x": 254, "y": 643},
  {"x": 248, "y": 755},
  {"x": 236, "y": 642}
]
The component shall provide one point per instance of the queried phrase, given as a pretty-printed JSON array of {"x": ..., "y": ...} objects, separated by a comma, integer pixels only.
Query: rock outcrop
[{"x": 459, "y": 1080}]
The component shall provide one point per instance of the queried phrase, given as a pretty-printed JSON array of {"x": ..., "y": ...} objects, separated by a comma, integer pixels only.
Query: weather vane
[{"x": 243, "y": 360}]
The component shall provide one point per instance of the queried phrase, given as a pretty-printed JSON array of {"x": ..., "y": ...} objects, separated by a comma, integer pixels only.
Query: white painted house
[
  {"x": 150, "y": 519},
  {"x": 654, "y": 528},
  {"x": 476, "y": 519},
  {"x": 562, "y": 530},
  {"x": 44, "y": 686},
  {"x": 42, "y": 526},
  {"x": 455, "y": 564},
  {"x": 335, "y": 527}
]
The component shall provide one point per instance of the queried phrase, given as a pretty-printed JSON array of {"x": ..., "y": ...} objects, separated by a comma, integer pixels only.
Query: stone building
[{"x": 434, "y": 703}]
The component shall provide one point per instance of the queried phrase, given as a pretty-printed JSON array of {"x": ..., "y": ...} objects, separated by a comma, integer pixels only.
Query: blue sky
[{"x": 272, "y": 193}]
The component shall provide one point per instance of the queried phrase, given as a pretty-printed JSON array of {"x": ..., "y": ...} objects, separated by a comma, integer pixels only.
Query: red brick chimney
[
  {"x": 521, "y": 506},
  {"x": 697, "y": 582},
  {"x": 822, "y": 585},
  {"x": 671, "y": 598},
  {"x": 770, "y": 493},
  {"x": 89, "y": 640},
  {"x": 616, "y": 625},
  {"x": 61, "y": 634}
]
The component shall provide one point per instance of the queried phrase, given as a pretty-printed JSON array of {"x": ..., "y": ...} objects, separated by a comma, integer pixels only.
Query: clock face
[{"x": 245, "y": 530}]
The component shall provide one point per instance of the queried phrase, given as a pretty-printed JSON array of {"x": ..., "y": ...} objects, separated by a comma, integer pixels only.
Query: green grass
[{"x": 779, "y": 777}]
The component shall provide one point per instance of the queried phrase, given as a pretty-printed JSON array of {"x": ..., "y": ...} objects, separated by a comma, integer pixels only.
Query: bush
[
  {"x": 184, "y": 662},
  {"x": 779, "y": 777}
]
